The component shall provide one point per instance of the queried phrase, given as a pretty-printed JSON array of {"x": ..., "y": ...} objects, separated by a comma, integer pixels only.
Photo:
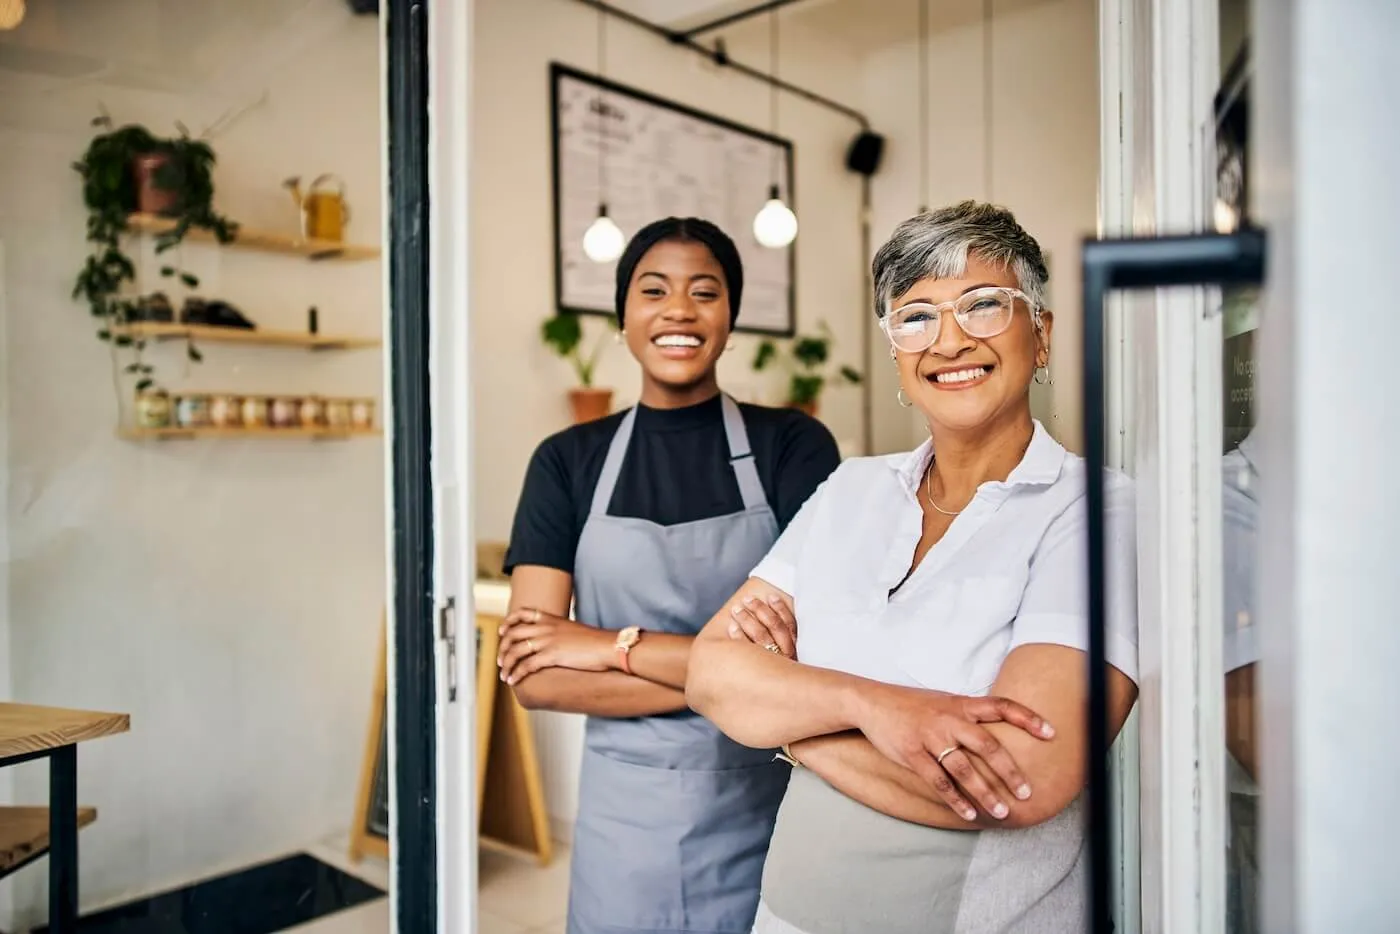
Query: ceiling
[{"x": 170, "y": 45}]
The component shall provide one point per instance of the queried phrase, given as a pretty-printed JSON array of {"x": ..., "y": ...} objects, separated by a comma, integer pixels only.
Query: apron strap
[
  {"x": 740, "y": 457},
  {"x": 612, "y": 466}
]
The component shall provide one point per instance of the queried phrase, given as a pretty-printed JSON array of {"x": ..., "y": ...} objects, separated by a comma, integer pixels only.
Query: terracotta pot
[
  {"x": 590, "y": 404},
  {"x": 809, "y": 407},
  {"x": 150, "y": 197}
]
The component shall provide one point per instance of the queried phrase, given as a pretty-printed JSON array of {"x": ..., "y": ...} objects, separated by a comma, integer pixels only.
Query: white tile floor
[{"x": 515, "y": 896}]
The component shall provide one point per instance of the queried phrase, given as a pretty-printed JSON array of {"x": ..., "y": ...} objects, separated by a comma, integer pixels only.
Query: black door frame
[
  {"x": 1108, "y": 265},
  {"x": 414, "y": 681}
]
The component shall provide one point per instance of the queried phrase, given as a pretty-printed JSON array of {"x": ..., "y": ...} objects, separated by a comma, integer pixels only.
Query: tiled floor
[{"x": 516, "y": 896}]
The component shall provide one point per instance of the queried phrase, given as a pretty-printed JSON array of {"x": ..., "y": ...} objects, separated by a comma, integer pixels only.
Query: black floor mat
[{"x": 260, "y": 900}]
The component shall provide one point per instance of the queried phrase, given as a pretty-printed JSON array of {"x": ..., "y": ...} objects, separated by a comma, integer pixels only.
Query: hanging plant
[{"x": 128, "y": 169}]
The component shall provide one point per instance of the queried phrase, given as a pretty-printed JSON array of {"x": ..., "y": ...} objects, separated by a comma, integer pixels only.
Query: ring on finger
[
  {"x": 946, "y": 753},
  {"x": 530, "y": 644},
  {"x": 535, "y": 618},
  {"x": 773, "y": 647}
]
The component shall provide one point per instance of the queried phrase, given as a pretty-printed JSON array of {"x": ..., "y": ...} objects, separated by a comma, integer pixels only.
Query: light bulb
[
  {"x": 774, "y": 225},
  {"x": 11, "y": 13},
  {"x": 603, "y": 240}
]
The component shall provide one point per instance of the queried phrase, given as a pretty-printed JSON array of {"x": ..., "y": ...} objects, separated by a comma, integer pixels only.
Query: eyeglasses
[{"x": 981, "y": 313}]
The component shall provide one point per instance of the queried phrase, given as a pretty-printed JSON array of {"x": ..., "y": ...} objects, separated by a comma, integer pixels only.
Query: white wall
[
  {"x": 513, "y": 288},
  {"x": 1044, "y": 158},
  {"x": 226, "y": 594}
]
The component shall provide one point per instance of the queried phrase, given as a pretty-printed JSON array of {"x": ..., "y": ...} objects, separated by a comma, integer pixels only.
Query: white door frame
[
  {"x": 449, "y": 120},
  {"x": 1159, "y": 61}
]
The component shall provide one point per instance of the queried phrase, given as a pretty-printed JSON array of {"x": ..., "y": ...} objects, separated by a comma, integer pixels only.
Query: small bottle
[{"x": 311, "y": 323}]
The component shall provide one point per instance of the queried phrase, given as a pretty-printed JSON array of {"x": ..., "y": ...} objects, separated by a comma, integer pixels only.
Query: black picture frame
[{"x": 559, "y": 71}]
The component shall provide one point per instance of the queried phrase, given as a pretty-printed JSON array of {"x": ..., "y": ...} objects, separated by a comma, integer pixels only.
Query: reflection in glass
[{"x": 1239, "y": 504}]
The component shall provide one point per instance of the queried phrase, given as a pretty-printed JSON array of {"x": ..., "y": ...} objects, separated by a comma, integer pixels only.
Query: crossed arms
[{"x": 880, "y": 743}]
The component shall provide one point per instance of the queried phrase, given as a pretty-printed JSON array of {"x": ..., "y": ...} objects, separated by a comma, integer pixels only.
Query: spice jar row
[{"x": 222, "y": 410}]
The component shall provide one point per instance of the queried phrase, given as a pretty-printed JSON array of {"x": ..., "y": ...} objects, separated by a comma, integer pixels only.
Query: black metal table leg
[{"x": 63, "y": 840}]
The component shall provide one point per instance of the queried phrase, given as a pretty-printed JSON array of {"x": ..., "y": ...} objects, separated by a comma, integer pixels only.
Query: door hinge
[{"x": 447, "y": 631}]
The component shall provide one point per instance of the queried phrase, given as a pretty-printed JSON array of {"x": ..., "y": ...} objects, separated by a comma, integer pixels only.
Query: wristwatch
[{"x": 625, "y": 640}]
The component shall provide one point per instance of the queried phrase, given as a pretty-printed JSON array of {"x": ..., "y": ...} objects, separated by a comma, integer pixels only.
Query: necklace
[{"x": 928, "y": 493}]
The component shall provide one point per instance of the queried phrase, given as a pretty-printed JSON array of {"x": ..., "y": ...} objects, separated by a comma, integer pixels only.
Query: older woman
[{"x": 916, "y": 630}]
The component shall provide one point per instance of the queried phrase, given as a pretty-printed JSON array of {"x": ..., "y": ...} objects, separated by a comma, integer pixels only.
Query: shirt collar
[{"x": 1040, "y": 465}]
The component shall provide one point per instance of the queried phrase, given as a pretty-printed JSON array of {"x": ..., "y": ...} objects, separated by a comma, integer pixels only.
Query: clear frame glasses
[{"x": 981, "y": 313}]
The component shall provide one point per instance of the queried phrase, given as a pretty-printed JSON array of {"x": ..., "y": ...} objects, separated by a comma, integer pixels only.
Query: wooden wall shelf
[
  {"x": 187, "y": 434},
  {"x": 249, "y": 239},
  {"x": 166, "y": 331}
]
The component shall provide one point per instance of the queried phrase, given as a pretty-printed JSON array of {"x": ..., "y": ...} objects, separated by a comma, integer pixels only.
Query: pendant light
[
  {"x": 603, "y": 241},
  {"x": 11, "y": 13},
  {"x": 774, "y": 226}
]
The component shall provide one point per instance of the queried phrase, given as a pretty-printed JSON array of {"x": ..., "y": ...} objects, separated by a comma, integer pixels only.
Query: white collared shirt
[{"x": 1009, "y": 571}]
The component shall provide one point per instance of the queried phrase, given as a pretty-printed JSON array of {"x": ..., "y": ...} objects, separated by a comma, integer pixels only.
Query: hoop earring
[
  {"x": 1042, "y": 374},
  {"x": 729, "y": 346},
  {"x": 903, "y": 400}
]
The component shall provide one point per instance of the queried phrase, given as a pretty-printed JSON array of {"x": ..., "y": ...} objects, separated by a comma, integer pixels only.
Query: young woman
[{"x": 648, "y": 521}]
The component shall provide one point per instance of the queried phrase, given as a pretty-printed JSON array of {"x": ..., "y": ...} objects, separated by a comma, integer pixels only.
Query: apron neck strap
[
  {"x": 612, "y": 466},
  {"x": 740, "y": 457}
]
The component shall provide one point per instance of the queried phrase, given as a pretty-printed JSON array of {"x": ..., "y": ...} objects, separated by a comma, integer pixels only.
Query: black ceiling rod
[
  {"x": 721, "y": 58},
  {"x": 733, "y": 18}
]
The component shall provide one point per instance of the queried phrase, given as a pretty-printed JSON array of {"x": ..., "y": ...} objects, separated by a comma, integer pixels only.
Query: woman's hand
[
  {"x": 936, "y": 736},
  {"x": 768, "y": 622},
  {"x": 532, "y": 639}
]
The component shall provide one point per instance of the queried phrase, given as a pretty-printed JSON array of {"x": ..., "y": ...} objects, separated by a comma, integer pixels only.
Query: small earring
[
  {"x": 729, "y": 346},
  {"x": 903, "y": 400},
  {"x": 620, "y": 336}
]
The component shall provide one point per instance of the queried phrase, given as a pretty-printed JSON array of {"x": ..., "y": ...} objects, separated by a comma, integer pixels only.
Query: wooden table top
[{"x": 25, "y": 728}]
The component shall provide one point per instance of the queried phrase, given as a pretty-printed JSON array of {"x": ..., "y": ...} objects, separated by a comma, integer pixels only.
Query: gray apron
[{"x": 674, "y": 817}]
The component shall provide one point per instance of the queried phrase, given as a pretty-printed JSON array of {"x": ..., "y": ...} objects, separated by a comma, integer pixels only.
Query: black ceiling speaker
[
  {"x": 363, "y": 6},
  {"x": 863, "y": 157}
]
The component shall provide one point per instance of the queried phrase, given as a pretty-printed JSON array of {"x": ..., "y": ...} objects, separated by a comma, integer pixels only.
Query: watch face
[{"x": 628, "y": 637}]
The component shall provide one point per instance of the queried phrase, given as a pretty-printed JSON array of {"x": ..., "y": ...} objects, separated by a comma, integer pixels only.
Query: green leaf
[
  {"x": 563, "y": 333},
  {"x": 143, "y": 384},
  {"x": 810, "y": 352},
  {"x": 189, "y": 280},
  {"x": 850, "y": 375},
  {"x": 193, "y": 353},
  {"x": 805, "y": 389},
  {"x": 764, "y": 355},
  {"x": 167, "y": 271}
]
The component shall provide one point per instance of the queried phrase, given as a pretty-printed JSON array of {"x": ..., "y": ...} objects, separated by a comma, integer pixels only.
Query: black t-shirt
[{"x": 676, "y": 470}]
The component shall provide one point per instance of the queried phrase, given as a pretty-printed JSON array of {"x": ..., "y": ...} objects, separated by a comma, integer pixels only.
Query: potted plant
[
  {"x": 805, "y": 362},
  {"x": 563, "y": 333},
  {"x": 125, "y": 170}
]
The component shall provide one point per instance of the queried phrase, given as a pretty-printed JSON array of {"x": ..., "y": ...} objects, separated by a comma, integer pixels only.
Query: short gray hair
[{"x": 937, "y": 243}]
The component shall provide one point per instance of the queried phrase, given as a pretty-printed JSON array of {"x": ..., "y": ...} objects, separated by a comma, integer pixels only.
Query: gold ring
[
  {"x": 530, "y": 643},
  {"x": 773, "y": 647},
  {"x": 945, "y": 753},
  {"x": 536, "y": 617}
]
